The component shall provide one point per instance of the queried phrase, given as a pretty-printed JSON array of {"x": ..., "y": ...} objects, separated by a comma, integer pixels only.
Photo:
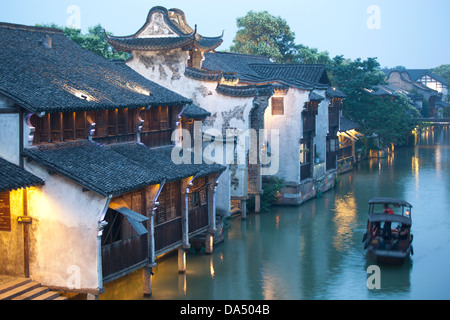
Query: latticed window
[{"x": 278, "y": 106}]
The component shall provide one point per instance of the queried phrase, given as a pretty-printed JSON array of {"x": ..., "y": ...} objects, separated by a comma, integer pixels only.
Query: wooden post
[
  {"x": 211, "y": 194},
  {"x": 185, "y": 186},
  {"x": 257, "y": 203},
  {"x": 181, "y": 260},
  {"x": 147, "y": 281},
  {"x": 151, "y": 197},
  {"x": 243, "y": 209}
]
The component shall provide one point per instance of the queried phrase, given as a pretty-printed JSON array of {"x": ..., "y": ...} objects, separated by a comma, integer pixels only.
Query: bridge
[{"x": 433, "y": 121}]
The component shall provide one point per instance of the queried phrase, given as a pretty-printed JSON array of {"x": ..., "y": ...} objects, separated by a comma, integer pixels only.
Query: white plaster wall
[
  {"x": 322, "y": 127},
  {"x": 226, "y": 112},
  {"x": 63, "y": 237},
  {"x": 290, "y": 127},
  {"x": 9, "y": 133}
]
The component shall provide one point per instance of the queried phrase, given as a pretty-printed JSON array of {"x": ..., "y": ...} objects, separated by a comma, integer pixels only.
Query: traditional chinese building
[
  {"x": 241, "y": 93},
  {"x": 92, "y": 141},
  {"x": 428, "y": 90}
]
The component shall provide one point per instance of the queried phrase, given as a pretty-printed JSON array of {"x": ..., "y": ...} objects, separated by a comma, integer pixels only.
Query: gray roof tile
[
  {"x": 13, "y": 177},
  {"x": 53, "y": 79}
]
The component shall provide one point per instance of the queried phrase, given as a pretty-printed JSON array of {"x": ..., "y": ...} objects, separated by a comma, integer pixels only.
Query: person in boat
[{"x": 388, "y": 209}]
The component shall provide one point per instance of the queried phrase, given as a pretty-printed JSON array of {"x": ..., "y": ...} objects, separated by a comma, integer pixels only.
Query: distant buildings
[{"x": 428, "y": 91}]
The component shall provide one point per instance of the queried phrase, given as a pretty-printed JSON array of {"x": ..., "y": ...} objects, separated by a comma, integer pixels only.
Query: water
[{"x": 315, "y": 251}]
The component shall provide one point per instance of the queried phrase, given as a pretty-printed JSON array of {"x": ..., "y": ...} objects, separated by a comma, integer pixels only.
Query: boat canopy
[
  {"x": 385, "y": 217},
  {"x": 393, "y": 201}
]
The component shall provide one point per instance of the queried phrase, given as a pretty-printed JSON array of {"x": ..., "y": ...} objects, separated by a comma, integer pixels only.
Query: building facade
[
  {"x": 292, "y": 105},
  {"x": 106, "y": 198}
]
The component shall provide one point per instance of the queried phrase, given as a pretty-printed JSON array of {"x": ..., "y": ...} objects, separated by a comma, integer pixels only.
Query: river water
[{"x": 315, "y": 251}]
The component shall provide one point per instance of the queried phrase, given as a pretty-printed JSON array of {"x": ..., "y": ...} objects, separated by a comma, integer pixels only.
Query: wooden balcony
[
  {"x": 123, "y": 256},
  {"x": 198, "y": 219},
  {"x": 168, "y": 234}
]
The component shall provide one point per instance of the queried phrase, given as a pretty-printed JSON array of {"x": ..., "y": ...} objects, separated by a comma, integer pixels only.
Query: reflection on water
[
  {"x": 315, "y": 251},
  {"x": 344, "y": 218}
]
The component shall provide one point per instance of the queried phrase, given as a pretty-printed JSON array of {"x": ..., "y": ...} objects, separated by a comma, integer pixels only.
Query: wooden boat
[{"x": 388, "y": 238}]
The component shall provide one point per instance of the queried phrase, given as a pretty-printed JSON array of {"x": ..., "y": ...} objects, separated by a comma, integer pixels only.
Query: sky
[{"x": 411, "y": 33}]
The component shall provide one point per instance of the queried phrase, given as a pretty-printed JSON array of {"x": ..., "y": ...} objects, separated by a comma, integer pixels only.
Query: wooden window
[
  {"x": 154, "y": 119},
  {"x": 69, "y": 125},
  {"x": 112, "y": 122},
  {"x": 80, "y": 125},
  {"x": 169, "y": 203},
  {"x": 56, "y": 127},
  {"x": 122, "y": 121},
  {"x": 278, "y": 106},
  {"x": 118, "y": 228},
  {"x": 101, "y": 123},
  {"x": 164, "y": 118}
]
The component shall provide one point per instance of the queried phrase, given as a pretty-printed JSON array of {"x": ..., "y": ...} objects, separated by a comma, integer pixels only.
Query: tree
[
  {"x": 390, "y": 118},
  {"x": 443, "y": 71},
  {"x": 94, "y": 41},
  {"x": 312, "y": 55},
  {"x": 263, "y": 34}
]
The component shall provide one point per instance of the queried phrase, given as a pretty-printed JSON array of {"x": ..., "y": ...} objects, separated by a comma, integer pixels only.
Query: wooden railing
[
  {"x": 345, "y": 152},
  {"x": 123, "y": 255},
  {"x": 157, "y": 138},
  {"x": 198, "y": 218},
  {"x": 167, "y": 234}
]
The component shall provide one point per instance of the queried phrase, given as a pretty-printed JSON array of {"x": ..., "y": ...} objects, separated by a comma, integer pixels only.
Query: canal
[{"x": 315, "y": 251}]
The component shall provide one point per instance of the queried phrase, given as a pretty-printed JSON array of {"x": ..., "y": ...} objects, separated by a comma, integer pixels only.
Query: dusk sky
[{"x": 411, "y": 33}]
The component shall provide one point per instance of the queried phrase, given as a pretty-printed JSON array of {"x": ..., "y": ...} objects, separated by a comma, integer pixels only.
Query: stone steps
[{"x": 25, "y": 289}]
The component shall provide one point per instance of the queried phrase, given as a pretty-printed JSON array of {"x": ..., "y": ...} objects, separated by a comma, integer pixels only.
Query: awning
[{"x": 135, "y": 219}]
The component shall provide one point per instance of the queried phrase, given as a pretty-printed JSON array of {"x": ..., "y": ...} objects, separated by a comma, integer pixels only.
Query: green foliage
[
  {"x": 272, "y": 186},
  {"x": 263, "y": 34},
  {"x": 389, "y": 118},
  {"x": 444, "y": 71},
  {"x": 94, "y": 41},
  {"x": 425, "y": 108},
  {"x": 312, "y": 55}
]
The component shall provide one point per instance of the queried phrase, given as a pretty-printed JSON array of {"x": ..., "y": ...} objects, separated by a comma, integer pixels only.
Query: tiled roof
[
  {"x": 160, "y": 160},
  {"x": 115, "y": 170},
  {"x": 13, "y": 177},
  {"x": 259, "y": 69},
  {"x": 314, "y": 74},
  {"x": 335, "y": 93},
  {"x": 55, "y": 77},
  {"x": 416, "y": 74},
  {"x": 127, "y": 44},
  {"x": 95, "y": 167},
  {"x": 233, "y": 62},
  {"x": 193, "y": 111},
  {"x": 183, "y": 36},
  {"x": 387, "y": 90},
  {"x": 347, "y": 124},
  {"x": 246, "y": 91}
]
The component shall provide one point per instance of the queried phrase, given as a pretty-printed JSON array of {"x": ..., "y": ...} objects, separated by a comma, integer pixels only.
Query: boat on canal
[{"x": 388, "y": 237}]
